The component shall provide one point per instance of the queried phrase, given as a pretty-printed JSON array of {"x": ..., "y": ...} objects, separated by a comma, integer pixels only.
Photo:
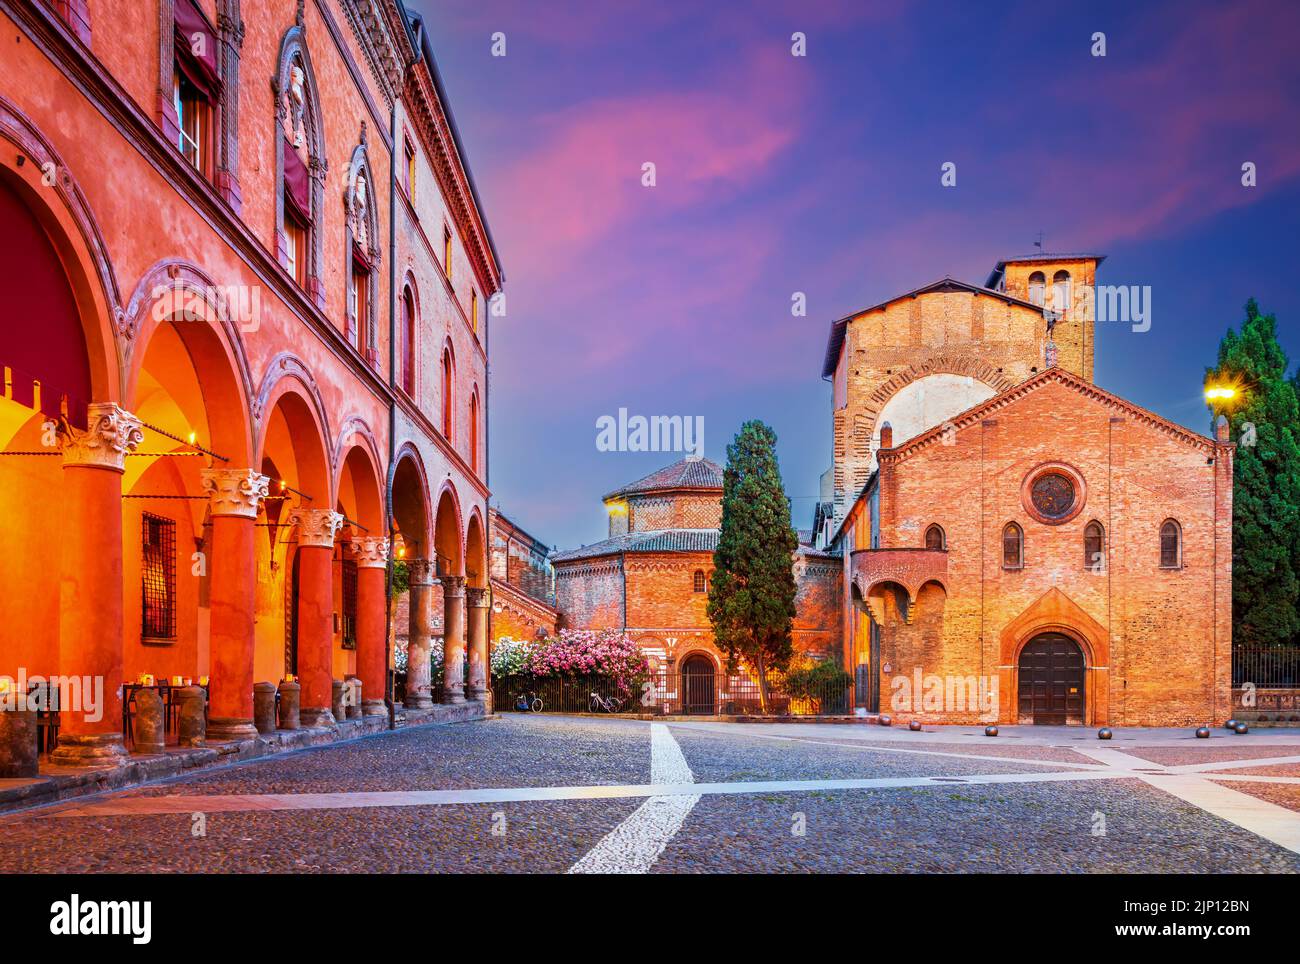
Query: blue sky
[{"x": 821, "y": 174}]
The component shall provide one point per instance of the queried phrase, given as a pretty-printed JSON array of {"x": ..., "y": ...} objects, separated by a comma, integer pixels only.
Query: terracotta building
[
  {"x": 650, "y": 577},
  {"x": 248, "y": 282},
  {"x": 1017, "y": 543},
  {"x": 523, "y": 582}
]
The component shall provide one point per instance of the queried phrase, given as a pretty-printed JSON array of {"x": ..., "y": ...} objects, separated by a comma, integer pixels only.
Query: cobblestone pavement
[{"x": 527, "y": 793}]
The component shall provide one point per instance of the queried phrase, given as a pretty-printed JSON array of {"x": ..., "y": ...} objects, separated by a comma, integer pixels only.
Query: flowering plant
[
  {"x": 588, "y": 652},
  {"x": 510, "y": 656}
]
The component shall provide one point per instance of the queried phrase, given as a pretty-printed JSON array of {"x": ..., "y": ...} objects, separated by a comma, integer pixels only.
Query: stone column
[
  {"x": 476, "y": 600},
  {"x": 372, "y": 618},
  {"x": 418, "y": 695},
  {"x": 316, "y": 531},
  {"x": 453, "y": 639},
  {"x": 234, "y": 497},
  {"x": 90, "y": 584}
]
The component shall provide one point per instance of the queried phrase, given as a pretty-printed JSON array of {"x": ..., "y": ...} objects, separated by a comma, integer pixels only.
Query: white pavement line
[
  {"x": 635, "y": 844},
  {"x": 229, "y": 803},
  {"x": 1268, "y": 820},
  {"x": 1264, "y": 761},
  {"x": 707, "y": 728},
  {"x": 1248, "y": 778}
]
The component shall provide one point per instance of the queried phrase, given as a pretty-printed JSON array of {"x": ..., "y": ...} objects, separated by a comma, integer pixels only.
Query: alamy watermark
[
  {"x": 656, "y": 433},
  {"x": 923, "y": 692}
]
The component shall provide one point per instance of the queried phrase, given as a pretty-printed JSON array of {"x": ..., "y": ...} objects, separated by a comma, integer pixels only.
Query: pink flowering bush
[{"x": 586, "y": 652}]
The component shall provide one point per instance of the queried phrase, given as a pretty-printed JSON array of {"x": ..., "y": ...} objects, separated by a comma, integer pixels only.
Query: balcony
[{"x": 908, "y": 568}]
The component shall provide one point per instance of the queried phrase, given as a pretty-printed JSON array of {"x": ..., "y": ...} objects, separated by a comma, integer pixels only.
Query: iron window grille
[{"x": 158, "y": 577}]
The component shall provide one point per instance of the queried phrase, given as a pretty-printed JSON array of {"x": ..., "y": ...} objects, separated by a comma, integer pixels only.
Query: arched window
[
  {"x": 473, "y": 430},
  {"x": 300, "y": 165},
  {"x": 1061, "y": 291},
  {"x": 1094, "y": 547},
  {"x": 935, "y": 539},
  {"x": 362, "y": 254},
  {"x": 407, "y": 346},
  {"x": 1013, "y": 546},
  {"x": 448, "y": 387},
  {"x": 700, "y": 583},
  {"x": 1171, "y": 545},
  {"x": 1037, "y": 288}
]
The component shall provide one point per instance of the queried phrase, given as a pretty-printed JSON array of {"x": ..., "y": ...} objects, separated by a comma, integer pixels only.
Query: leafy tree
[
  {"x": 751, "y": 595},
  {"x": 1265, "y": 423}
]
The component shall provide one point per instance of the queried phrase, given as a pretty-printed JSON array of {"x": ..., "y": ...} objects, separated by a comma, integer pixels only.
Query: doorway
[
  {"x": 1051, "y": 690},
  {"x": 698, "y": 686}
]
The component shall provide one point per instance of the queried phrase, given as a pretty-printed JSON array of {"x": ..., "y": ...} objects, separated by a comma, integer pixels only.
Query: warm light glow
[
  {"x": 616, "y": 508},
  {"x": 283, "y": 485},
  {"x": 401, "y": 552},
  {"x": 193, "y": 436},
  {"x": 1220, "y": 392}
]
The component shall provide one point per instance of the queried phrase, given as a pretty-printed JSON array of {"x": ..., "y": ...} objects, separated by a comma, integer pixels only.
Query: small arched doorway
[
  {"x": 1052, "y": 671},
  {"x": 698, "y": 688}
]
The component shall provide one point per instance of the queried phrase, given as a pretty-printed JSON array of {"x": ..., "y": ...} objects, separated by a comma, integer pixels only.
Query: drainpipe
[{"x": 392, "y": 405}]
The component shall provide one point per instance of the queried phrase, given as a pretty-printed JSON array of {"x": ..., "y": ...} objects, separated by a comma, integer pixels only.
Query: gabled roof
[
  {"x": 838, "y": 328},
  {"x": 689, "y": 473},
  {"x": 1032, "y": 384}
]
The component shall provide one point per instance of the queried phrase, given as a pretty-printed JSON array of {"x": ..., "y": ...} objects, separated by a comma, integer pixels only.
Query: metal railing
[
  {"x": 1276, "y": 667},
  {"x": 669, "y": 694}
]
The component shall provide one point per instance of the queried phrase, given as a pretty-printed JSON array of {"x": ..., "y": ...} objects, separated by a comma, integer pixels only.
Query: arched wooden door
[
  {"x": 1052, "y": 687},
  {"x": 699, "y": 693}
]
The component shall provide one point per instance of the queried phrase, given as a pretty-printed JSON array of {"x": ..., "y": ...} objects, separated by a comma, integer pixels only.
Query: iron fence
[
  {"x": 669, "y": 694},
  {"x": 1275, "y": 667}
]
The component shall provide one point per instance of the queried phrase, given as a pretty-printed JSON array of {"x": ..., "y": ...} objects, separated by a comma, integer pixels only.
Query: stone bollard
[
  {"x": 18, "y": 756},
  {"x": 290, "y": 700},
  {"x": 192, "y": 725},
  {"x": 264, "y": 708},
  {"x": 336, "y": 699},
  {"x": 147, "y": 722},
  {"x": 354, "y": 698}
]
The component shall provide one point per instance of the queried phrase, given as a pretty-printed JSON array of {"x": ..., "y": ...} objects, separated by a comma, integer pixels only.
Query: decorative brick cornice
[{"x": 235, "y": 492}]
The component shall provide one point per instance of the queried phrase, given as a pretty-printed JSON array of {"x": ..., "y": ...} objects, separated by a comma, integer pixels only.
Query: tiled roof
[
  {"x": 689, "y": 473},
  {"x": 660, "y": 540},
  {"x": 654, "y": 540}
]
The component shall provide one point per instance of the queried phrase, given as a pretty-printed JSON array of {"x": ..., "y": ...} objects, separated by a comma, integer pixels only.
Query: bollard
[
  {"x": 264, "y": 708},
  {"x": 354, "y": 698},
  {"x": 290, "y": 700},
  {"x": 18, "y": 756},
  {"x": 192, "y": 726},
  {"x": 147, "y": 722},
  {"x": 336, "y": 700}
]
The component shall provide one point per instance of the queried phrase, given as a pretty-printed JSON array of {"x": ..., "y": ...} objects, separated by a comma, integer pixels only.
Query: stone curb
[{"x": 63, "y": 783}]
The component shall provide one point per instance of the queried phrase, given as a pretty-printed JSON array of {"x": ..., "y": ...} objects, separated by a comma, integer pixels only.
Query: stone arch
[
  {"x": 289, "y": 390},
  {"x": 43, "y": 184},
  {"x": 310, "y": 121},
  {"x": 1055, "y": 612},
  {"x": 476, "y": 563},
  {"x": 357, "y": 478},
  {"x": 409, "y": 504},
  {"x": 176, "y": 295},
  {"x": 449, "y": 532}
]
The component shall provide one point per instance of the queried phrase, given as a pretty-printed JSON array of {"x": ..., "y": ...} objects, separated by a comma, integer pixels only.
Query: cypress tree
[
  {"x": 752, "y": 593},
  {"x": 1265, "y": 423}
]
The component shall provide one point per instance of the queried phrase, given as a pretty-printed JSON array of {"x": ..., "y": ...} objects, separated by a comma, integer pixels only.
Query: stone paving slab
[
  {"x": 1034, "y": 828},
  {"x": 1283, "y": 794},
  {"x": 1181, "y": 756}
]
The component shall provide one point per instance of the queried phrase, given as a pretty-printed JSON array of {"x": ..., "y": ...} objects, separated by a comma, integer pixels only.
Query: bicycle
[
  {"x": 528, "y": 702},
  {"x": 602, "y": 704}
]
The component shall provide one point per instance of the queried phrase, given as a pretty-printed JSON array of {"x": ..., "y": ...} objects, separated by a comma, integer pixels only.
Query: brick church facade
[{"x": 1018, "y": 544}]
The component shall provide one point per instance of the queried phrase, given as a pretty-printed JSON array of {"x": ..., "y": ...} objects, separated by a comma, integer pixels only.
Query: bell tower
[{"x": 1064, "y": 285}]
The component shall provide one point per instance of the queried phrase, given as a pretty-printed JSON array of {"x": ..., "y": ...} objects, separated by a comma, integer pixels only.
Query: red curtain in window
[
  {"x": 297, "y": 185},
  {"x": 196, "y": 48}
]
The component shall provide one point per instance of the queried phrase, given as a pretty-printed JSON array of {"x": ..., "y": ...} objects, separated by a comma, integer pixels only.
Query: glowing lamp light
[
  {"x": 1220, "y": 393},
  {"x": 193, "y": 436},
  {"x": 283, "y": 485},
  {"x": 401, "y": 552}
]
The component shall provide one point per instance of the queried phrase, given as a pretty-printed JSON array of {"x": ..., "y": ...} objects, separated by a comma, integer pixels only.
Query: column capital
[
  {"x": 112, "y": 433},
  {"x": 452, "y": 585},
  {"x": 371, "y": 551},
  {"x": 476, "y": 597},
  {"x": 234, "y": 492},
  {"x": 420, "y": 572},
  {"x": 316, "y": 527}
]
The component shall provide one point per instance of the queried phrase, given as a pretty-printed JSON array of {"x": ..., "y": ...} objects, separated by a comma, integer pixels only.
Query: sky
[{"x": 821, "y": 174}]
